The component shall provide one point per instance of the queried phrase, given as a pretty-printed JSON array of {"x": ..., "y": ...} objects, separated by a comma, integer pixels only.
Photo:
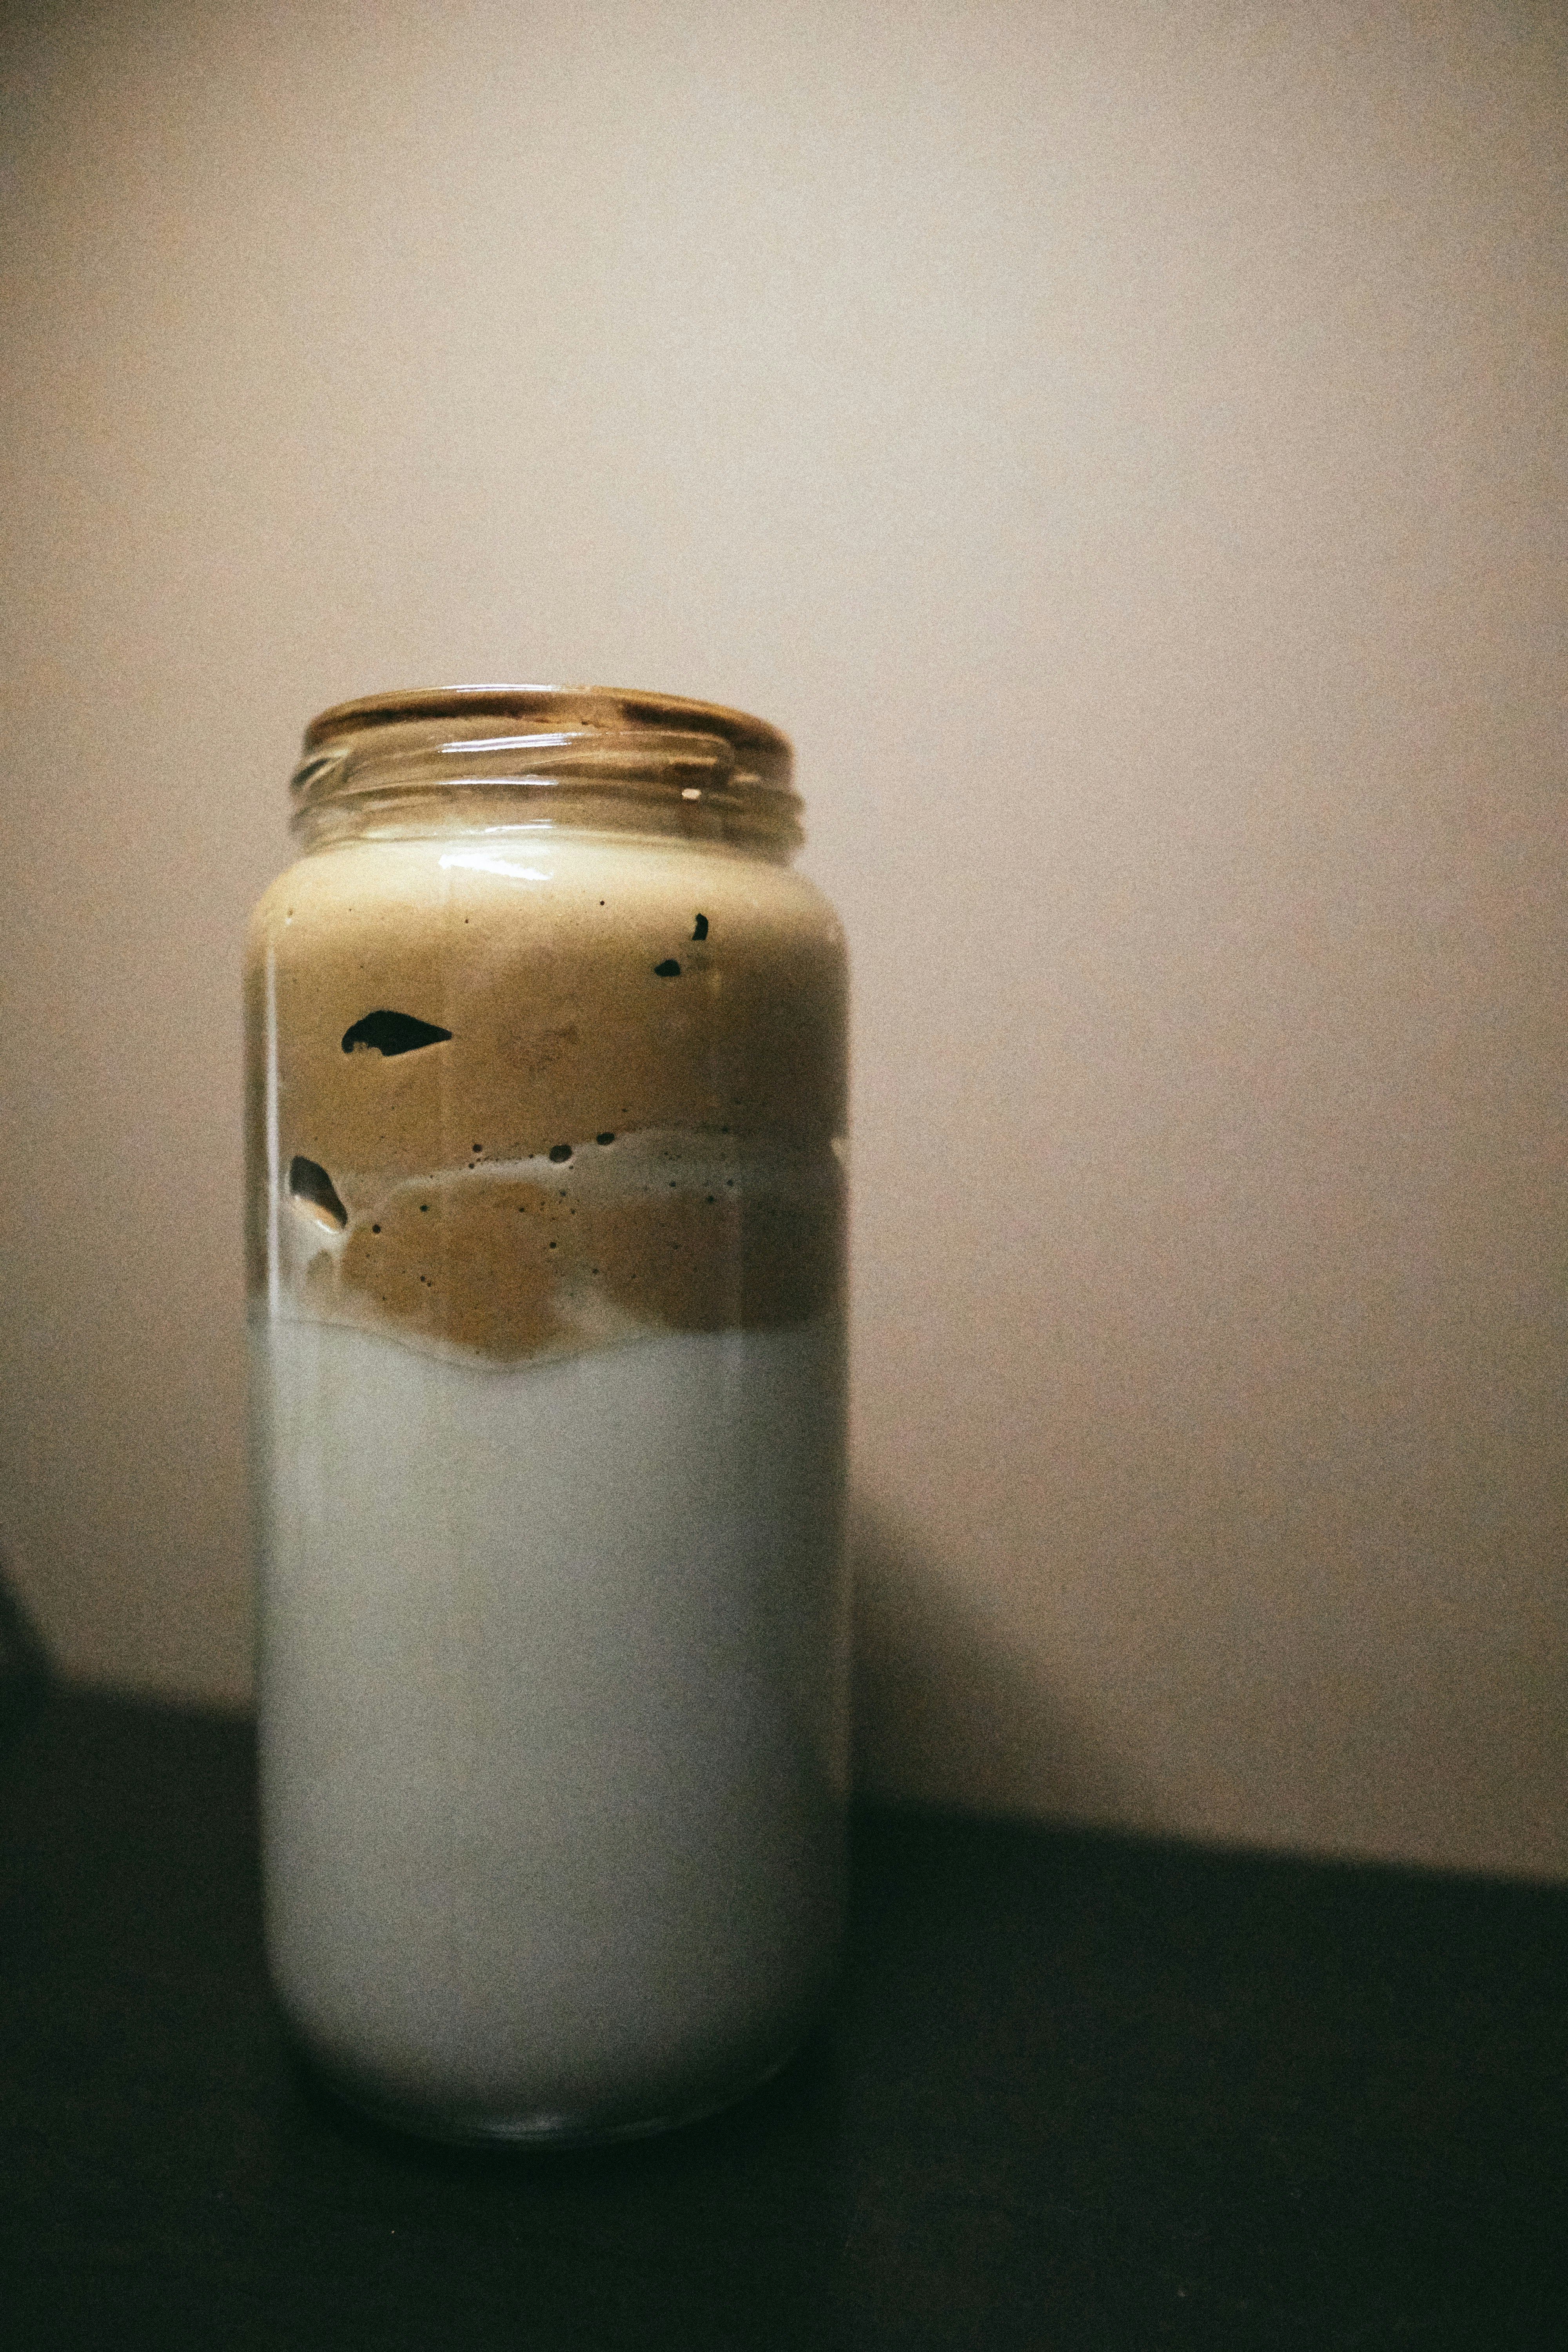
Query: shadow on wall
[
  {"x": 24, "y": 1671},
  {"x": 945, "y": 1715}
]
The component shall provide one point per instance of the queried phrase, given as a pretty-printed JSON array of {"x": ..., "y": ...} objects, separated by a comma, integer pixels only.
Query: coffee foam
[{"x": 459, "y": 1024}]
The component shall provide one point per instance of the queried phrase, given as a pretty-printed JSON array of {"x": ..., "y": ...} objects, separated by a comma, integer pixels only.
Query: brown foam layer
[
  {"x": 515, "y": 1267},
  {"x": 501, "y": 1002}
]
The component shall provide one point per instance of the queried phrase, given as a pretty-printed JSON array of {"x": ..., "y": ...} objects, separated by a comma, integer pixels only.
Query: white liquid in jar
[{"x": 551, "y": 1779}]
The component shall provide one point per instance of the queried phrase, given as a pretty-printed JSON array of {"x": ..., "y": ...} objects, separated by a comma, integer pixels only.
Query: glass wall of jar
[{"x": 546, "y": 1212}]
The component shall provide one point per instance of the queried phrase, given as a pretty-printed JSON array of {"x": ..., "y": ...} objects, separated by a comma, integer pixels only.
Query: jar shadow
[{"x": 947, "y": 1714}]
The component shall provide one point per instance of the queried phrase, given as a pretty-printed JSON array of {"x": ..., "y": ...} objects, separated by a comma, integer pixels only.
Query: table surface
[{"x": 1079, "y": 2090}]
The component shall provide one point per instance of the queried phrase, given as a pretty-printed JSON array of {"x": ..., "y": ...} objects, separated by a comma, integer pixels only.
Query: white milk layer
[{"x": 552, "y": 1723}]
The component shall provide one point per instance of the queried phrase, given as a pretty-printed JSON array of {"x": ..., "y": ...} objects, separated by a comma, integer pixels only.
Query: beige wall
[{"x": 1123, "y": 444}]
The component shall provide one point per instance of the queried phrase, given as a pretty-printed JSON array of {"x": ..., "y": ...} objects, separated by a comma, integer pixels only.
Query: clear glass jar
[{"x": 546, "y": 1121}]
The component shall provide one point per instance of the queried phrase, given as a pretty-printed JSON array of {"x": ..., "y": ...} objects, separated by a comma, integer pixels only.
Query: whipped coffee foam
[{"x": 504, "y": 1076}]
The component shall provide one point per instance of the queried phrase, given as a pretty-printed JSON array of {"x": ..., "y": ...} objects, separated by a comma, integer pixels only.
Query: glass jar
[{"x": 546, "y": 1121}]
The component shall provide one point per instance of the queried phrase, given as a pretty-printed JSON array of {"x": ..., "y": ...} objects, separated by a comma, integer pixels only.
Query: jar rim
[
  {"x": 590, "y": 755},
  {"x": 608, "y": 707}
]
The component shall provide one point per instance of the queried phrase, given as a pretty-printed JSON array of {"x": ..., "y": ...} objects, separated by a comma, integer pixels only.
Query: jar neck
[{"x": 583, "y": 759}]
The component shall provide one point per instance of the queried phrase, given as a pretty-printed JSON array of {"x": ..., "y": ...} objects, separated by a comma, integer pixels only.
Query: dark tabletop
[{"x": 1081, "y": 2091}]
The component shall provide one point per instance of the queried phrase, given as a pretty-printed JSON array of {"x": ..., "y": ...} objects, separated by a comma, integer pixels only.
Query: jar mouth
[{"x": 713, "y": 769}]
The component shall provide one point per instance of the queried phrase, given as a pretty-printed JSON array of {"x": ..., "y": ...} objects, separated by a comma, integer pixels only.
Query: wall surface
[{"x": 1123, "y": 444}]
